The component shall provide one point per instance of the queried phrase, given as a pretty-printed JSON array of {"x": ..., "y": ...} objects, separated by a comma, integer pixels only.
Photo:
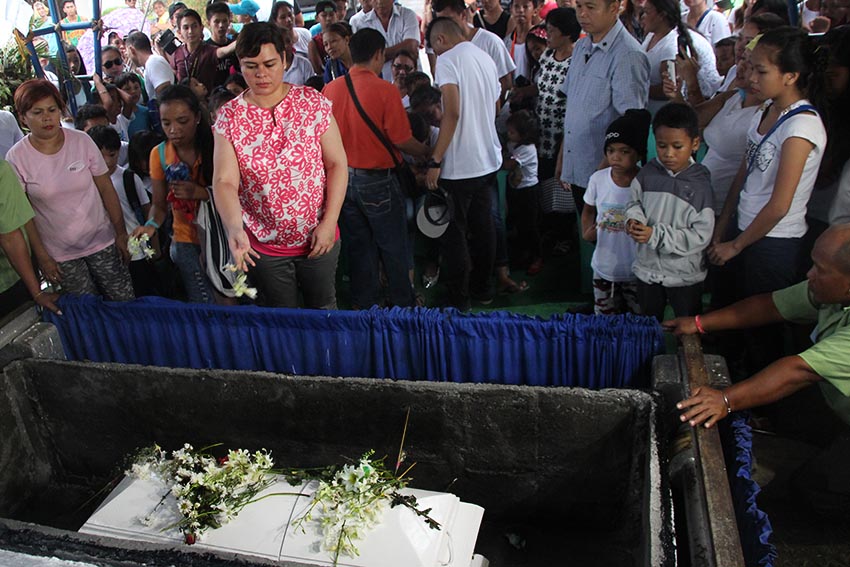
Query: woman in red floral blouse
[{"x": 280, "y": 179}]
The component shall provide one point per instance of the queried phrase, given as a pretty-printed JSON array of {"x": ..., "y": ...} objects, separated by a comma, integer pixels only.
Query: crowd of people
[{"x": 700, "y": 143}]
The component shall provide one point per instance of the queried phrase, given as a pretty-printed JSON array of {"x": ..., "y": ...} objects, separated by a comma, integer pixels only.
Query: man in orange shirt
[{"x": 372, "y": 219}]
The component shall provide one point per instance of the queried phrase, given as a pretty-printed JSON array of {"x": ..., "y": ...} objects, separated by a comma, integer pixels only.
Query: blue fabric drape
[
  {"x": 412, "y": 344},
  {"x": 753, "y": 524}
]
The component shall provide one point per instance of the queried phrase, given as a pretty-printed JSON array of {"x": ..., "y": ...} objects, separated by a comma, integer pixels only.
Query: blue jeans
[
  {"x": 375, "y": 228},
  {"x": 187, "y": 257}
]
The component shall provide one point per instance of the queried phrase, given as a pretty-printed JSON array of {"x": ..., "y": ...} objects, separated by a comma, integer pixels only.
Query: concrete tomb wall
[{"x": 566, "y": 476}]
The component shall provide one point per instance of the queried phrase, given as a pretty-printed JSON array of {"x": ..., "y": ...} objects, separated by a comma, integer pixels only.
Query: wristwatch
[{"x": 433, "y": 164}]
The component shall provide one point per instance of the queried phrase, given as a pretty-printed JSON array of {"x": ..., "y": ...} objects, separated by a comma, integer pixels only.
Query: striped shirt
[{"x": 603, "y": 82}]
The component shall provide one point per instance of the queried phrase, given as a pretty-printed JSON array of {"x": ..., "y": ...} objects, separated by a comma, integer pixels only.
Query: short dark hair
[
  {"x": 174, "y": 8},
  {"x": 456, "y": 6},
  {"x": 254, "y": 35},
  {"x": 68, "y": 2},
  {"x": 315, "y": 82},
  {"x": 425, "y": 96},
  {"x": 217, "y": 99},
  {"x": 107, "y": 48},
  {"x": 139, "y": 151},
  {"x": 365, "y": 44},
  {"x": 237, "y": 78},
  {"x": 525, "y": 123},
  {"x": 105, "y": 138},
  {"x": 778, "y": 7},
  {"x": 766, "y": 21},
  {"x": 139, "y": 41},
  {"x": 342, "y": 29},
  {"x": 443, "y": 25},
  {"x": 124, "y": 78},
  {"x": 406, "y": 53},
  {"x": 88, "y": 112},
  {"x": 565, "y": 21},
  {"x": 189, "y": 13},
  {"x": 414, "y": 79},
  {"x": 217, "y": 8},
  {"x": 538, "y": 2},
  {"x": 726, "y": 42},
  {"x": 276, "y": 7},
  {"x": 677, "y": 115}
]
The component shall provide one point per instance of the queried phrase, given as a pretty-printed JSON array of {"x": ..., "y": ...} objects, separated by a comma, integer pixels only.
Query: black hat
[{"x": 631, "y": 129}]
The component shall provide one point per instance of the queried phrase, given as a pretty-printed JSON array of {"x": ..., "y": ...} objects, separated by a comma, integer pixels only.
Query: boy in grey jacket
[{"x": 671, "y": 217}]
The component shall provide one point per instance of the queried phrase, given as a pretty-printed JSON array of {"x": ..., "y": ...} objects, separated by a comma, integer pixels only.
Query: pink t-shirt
[
  {"x": 69, "y": 212},
  {"x": 282, "y": 174}
]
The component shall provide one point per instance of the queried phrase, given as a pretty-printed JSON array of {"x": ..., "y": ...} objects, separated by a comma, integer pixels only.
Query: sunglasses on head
[{"x": 112, "y": 62}]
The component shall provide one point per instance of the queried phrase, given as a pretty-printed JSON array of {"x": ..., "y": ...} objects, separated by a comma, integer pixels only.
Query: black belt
[{"x": 359, "y": 171}]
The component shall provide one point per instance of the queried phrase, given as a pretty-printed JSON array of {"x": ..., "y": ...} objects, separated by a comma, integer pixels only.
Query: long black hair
[
  {"x": 672, "y": 14},
  {"x": 793, "y": 51},
  {"x": 203, "y": 133}
]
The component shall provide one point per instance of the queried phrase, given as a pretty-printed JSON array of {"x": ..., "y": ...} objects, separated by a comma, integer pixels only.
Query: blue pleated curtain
[
  {"x": 753, "y": 524},
  {"x": 412, "y": 344},
  {"x": 409, "y": 344}
]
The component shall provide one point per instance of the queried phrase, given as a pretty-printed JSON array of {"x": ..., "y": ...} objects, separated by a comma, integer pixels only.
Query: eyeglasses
[
  {"x": 405, "y": 68},
  {"x": 109, "y": 64}
]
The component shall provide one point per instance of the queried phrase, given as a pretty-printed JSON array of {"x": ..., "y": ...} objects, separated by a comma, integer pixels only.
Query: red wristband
[{"x": 700, "y": 328}]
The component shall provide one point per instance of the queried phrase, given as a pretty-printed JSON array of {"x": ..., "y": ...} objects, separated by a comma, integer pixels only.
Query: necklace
[{"x": 787, "y": 109}]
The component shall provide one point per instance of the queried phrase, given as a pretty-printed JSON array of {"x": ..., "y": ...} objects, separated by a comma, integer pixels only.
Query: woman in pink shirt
[
  {"x": 280, "y": 178},
  {"x": 78, "y": 235}
]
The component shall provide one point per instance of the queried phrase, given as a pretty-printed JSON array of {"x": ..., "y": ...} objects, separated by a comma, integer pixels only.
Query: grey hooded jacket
[{"x": 679, "y": 210}]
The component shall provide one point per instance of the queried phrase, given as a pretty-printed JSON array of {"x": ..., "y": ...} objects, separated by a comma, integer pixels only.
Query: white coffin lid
[{"x": 262, "y": 528}]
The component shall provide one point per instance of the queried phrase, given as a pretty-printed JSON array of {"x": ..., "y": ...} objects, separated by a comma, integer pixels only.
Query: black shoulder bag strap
[
  {"x": 368, "y": 121},
  {"x": 132, "y": 196}
]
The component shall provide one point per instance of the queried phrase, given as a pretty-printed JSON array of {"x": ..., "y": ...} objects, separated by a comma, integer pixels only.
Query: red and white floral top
[{"x": 282, "y": 174}]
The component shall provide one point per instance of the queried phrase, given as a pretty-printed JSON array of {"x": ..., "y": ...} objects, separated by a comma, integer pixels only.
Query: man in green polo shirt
[
  {"x": 18, "y": 282},
  {"x": 824, "y": 298}
]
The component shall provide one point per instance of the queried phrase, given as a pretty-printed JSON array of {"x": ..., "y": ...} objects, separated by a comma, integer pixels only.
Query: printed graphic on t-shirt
[
  {"x": 765, "y": 156},
  {"x": 613, "y": 217}
]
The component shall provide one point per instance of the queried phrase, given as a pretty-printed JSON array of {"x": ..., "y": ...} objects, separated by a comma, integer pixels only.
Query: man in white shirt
[
  {"x": 465, "y": 160},
  {"x": 356, "y": 21},
  {"x": 158, "y": 72},
  {"x": 398, "y": 25},
  {"x": 485, "y": 40}
]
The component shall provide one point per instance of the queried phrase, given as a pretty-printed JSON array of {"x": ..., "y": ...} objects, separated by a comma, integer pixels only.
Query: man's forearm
[
  {"x": 778, "y": 380},
  {"x": 409, "y": 45},
  {"x": 754, "y": 311}
]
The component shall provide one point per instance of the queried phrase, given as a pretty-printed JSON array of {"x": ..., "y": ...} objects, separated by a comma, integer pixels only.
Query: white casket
[{"x": 263, "y": 528}]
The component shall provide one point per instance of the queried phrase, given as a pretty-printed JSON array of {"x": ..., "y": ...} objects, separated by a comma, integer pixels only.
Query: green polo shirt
[
  {"x": 15, "y": 211},
  {"x": 829, "y": 357}
]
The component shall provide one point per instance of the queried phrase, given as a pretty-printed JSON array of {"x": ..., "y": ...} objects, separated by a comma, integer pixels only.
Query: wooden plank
[{"x": 721, "y": 513}]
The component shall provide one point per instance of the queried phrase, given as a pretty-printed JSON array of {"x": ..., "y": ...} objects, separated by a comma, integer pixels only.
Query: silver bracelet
[{"x": 726, "y": 401}]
